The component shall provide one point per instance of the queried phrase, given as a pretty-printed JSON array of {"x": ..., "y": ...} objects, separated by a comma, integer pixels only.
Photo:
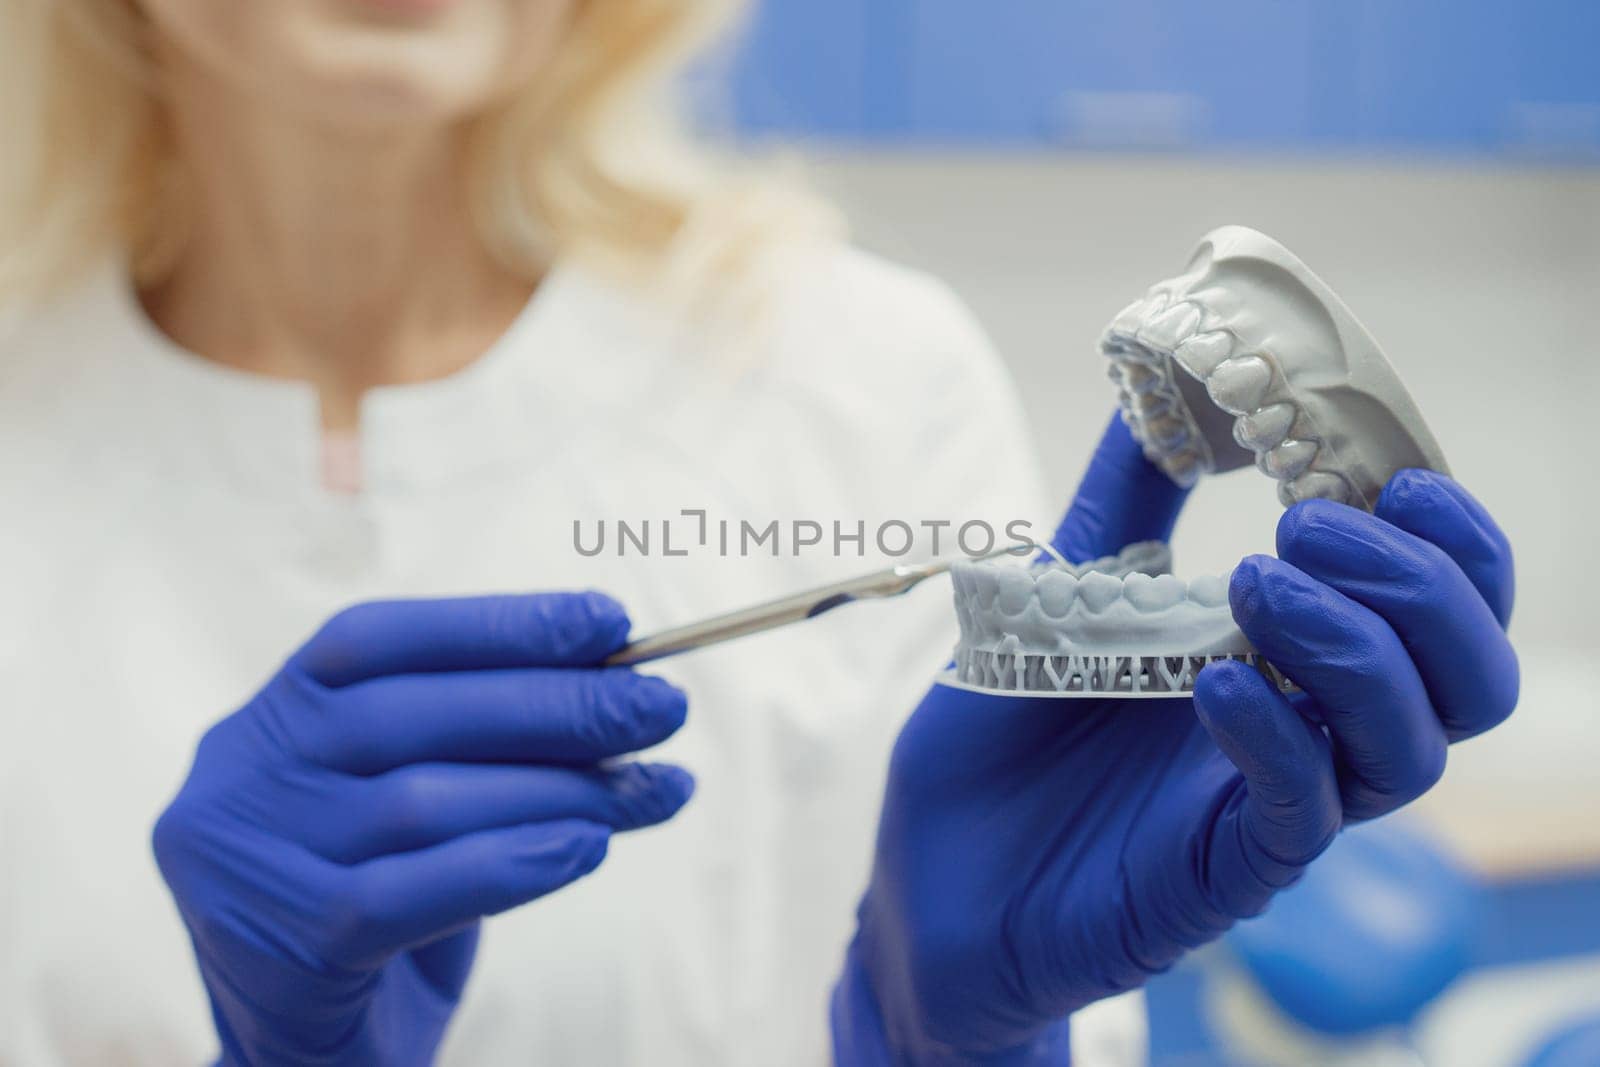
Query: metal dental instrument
[{"x": 797, "y": 608}]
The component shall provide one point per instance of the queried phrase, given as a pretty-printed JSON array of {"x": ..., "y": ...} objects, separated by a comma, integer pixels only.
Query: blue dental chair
[{"x": 1342, "y": 964}]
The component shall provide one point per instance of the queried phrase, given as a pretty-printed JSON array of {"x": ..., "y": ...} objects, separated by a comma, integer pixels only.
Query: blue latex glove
[
  {"x": 1036, "y": 855},
  {"x": 416, "y": 766}
]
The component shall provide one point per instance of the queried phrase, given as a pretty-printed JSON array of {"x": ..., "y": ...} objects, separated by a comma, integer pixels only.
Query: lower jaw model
[
  {"x": 1246, "y": 356},
  {"x": 1123, "y": 627}
]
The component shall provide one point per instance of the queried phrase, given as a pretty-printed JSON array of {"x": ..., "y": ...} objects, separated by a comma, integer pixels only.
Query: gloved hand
[
  {"x": 416, "y": 766},
  {"x": 1035, "y": 855}
]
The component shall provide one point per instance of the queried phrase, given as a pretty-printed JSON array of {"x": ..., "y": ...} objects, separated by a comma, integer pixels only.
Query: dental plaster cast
[
  {"x": 1119, "y": 627},
  {"x": 1246, "y": 356},
  {"x": 1249, "y": 357}
]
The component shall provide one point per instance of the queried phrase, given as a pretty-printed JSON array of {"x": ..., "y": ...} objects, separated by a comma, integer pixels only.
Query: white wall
[{"x": 1483, "y": 287}]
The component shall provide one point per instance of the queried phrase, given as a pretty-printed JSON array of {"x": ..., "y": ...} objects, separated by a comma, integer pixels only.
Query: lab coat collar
[{"x": 264, "y": 434}]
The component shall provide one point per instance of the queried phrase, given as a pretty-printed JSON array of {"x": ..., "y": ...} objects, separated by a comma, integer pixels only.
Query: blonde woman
[{"x": 328, "y": 302}]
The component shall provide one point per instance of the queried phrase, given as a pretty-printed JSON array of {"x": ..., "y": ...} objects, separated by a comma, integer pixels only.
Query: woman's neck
[{"x": 344, "y": 258}]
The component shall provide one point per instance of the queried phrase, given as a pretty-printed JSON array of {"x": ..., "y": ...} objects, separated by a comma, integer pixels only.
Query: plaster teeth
[
  {"x": 1016, "y": 586},
  {"x": 1261, "y": 430},
  {"x": 1140, "y": 379},
  {"x": 1121, "y": 625},
  {"x": 1153, "y": 594},
  {"x": 1288, "y": 460},
  {"x": 1184, "y": 468},
  {"x": 985, "y": 586},
  {"x": 1171, "y": 326},
  {"x": 1201, "y": 354},
  {"x": 1057, "y": 591},
  {"x": 1126, "y": 321},
  {"x": 1209, "y": 590},
  {"x": 1149, "y": 405},
  {"x": 963, "y": 583},
  {"x": 1167, "y": 433},
  {"x": 1135, "y": 354},
  {"x": 1320, "y": 485},
  {"x": 1145, "y": 557},
  {"x": 1169, "y": 590},
  {"x": 1099, "y": 591},
  {"x": 1239, "y": 385},
  {"x": 1282, "y": 361},
  {"x": 1130, "y": 318}
]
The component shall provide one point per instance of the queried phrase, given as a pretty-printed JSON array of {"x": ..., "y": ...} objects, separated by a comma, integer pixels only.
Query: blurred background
[{"x": 1438, "y": 162}]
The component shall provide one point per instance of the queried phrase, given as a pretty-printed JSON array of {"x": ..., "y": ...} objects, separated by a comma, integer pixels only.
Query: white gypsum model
[
  {"x": 1117, "y": 627},
  {"x": 1248, "y": 356},
  {"x": 1245, "y": 356}
]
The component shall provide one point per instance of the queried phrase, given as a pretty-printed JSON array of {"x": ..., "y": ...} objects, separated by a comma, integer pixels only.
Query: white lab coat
[{"x": 166, "y": 541}]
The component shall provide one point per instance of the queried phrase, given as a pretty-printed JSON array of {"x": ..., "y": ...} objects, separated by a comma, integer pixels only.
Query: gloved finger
[
  {"x": 472, "y": 633},
  {"x": 1123, "y": 498},
  {"x": 1436, "y": 508},
  {"x": 446, "y": 964},
  {"x": 534, "y": 716},
  {"x": 1389, "y": 746},
  {"x": 1289, "y": 808},
  {"x": 1458, "y": 646},
  {"x": 406, "y": 899},
  {"x": 425, "y": 804}
]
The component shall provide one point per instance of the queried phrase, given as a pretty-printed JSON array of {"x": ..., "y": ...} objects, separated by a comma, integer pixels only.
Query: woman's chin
[
  {"x": 369, "y": 62},
  {"x": 364, "y": 69},
  {"x": 399, "y": 11}
]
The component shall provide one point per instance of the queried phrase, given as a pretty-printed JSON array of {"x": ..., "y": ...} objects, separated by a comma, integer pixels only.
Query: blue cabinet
[
  {"x": 801, "y": 68},
  {"x": 1438, "y": 76}
]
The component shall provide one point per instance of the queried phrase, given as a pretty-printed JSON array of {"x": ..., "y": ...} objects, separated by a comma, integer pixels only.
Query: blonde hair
[{"x": 586, "y": 160}]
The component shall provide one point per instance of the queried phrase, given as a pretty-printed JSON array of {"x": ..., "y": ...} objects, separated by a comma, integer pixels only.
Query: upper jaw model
[
  {"x": 1245, "y": 356},
  {"x": 1248, "y": 356}
]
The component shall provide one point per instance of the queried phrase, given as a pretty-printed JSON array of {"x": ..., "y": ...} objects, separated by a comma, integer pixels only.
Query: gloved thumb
[{"x": 1122, "y": 498}]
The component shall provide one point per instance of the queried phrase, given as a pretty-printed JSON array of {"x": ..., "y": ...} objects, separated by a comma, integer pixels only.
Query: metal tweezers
[{"x": 797, "y": 608}]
